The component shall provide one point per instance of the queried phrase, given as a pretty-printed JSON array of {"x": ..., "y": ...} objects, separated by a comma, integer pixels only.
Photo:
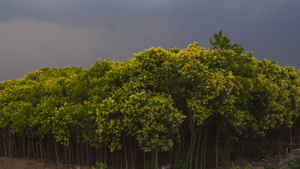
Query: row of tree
[{"x": 193, "y": 108}]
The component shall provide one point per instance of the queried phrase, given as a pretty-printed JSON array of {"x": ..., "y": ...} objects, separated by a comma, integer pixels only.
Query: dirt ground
[
  {"x": 7, "y": 163},
  {"x": 257, "y": 165},
  {"x": 14, "y": 163}
]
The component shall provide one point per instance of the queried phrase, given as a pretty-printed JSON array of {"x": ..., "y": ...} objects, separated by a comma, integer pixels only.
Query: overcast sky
[{"x": 58, "y": 33}]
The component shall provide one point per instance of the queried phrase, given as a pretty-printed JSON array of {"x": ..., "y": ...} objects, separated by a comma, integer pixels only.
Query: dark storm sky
[{"x": 58, "y": 33}]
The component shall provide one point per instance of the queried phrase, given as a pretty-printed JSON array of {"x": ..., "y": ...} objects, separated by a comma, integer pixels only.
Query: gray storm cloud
[{"x": 57, "y": 33}]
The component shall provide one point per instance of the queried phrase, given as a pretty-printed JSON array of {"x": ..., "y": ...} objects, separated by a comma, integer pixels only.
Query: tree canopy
[{"x": 154, "y": 101}]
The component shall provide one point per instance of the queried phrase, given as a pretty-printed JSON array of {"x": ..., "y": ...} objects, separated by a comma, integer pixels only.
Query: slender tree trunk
[
  {"x": 4, "y": 144},
  {"x": 183, "y": 143},
  {"x": 28, "y": 152},
  {"x": 48, "y": 147},
  {"x": 116, "y": 159},
  {"x": 135, "y": 148},
  {"x": 191, "y": 147},
  {"x": 202, "y": 152},
  {"x": 70, "y": 158},
  {"x": 105, "y": 155},
  {"x": 291, "y": 140},
  {"x": 230, "y": 150},
  {"x": 192, "y": 150},
  {"x": 122, "y": 162},
  {"x": 298, "y": 136},
  {"x": 97, "y": 154},
  {"x": 66, "y": 154},
  {"x": 44, "y": 152},
  {"x": 77, "y": 153},
  {"x": 243, "y": 148},
  {"x": 198, "y": 149},
  {"x": 37, "y": 149},
  {"x": 125, "y": 153},
  {"x": 33, "y": 148},
  {"x": 171, "y": 156},
  {"x": 112, "y": 160},
  {"x": 156, "y": 157},
  {"x": 205, "y": 147},
  {"x": 87, "y": 154},
  {"x": 217, "y": 149},
  {"x": 132, "y": 155},
  {"x": 24, "y": 145},
  {"x": 239, "y": 148},
  {"x": 101, "y": 154},
  {"x": 178, "y": 152},
  {"x": 81, "y": 153},
  {"x": 56, "y": 151},
  {"x": 250, "y": 146},
  {"x": 145, "y": 167},
  {"x": 9, "y": 147},
  {"x": 41, "y": 149},
  {"x": 15, "y": 146}
]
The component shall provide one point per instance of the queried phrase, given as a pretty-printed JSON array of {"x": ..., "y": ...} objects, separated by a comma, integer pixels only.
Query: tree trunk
[
  {"x": 105, "y": 155},
  {"x": 15, "y": 147},
  {"x": 37, "y": 149},
  {"x": 125, "y": 153},
  {"x": 126, "y": 156},
  {"x": 202, "y": 152},
  {"x": 145, "y": 167},
  {"x": 66, "y": 154},
  {"x": 178, "y": 152},
  {"x": 24, "y": 145},
  {"x": 291, "y": 140},
  {"x": 243, "y": 148},
  {"x": 70, "y": 157},
  {"x": 205, "y": 147},
  {"x": 192, "y": 150},
  {"x": 41, "y": 149},
  {"x": 156, "y": 157},
  {"x": 250, "y": 146},
  {"x": 87, "y": 154},
  {"x": 198, "y": 149},
  {"x": 28, "y": 152},
  {"x": 56, "y": 151},
  {"x": 48, "y": 147},
  {"x": 217, "y": 149},
  {"x": 112, "y": 160},
  {"x": 77, "y": 153},
  {"x": 298, "y": 137},
  {"x": 4, "y": 144},
  {"x": 133, "y": 151},
  {"x": 171, "y": 156},
  {"x": 9, "y": 148},
  {"x": 81, "y": 153}
]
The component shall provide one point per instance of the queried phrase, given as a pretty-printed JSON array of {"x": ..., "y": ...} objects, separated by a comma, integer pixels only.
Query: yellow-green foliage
[{"x": 150, "y": 96}]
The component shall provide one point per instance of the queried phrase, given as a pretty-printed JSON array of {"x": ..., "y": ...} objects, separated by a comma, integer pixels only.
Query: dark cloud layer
[{"x": 57, "y": 33}]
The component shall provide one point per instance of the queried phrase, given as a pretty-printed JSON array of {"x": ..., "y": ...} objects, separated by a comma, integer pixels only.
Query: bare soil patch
[{"x": 14, "y": 163}]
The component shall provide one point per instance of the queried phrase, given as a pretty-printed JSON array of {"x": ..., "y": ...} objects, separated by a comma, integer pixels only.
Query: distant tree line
[{"x": 192, "y": 108}]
